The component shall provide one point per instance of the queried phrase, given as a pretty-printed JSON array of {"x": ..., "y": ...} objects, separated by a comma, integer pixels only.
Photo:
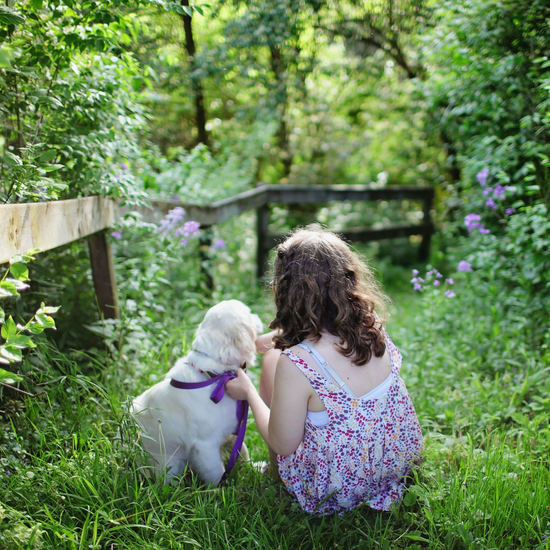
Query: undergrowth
[{"x": 71, "y": 473}]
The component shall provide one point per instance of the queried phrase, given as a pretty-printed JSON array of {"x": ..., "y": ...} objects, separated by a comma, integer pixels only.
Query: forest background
[{"x": 132, "y": 99}]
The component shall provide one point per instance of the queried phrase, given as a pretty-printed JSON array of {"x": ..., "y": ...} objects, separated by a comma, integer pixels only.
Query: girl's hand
[{"x": 240, "y": 388}]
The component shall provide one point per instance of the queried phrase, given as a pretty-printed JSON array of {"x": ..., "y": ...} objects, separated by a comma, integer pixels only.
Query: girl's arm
[{"x": 282, "y": 426}]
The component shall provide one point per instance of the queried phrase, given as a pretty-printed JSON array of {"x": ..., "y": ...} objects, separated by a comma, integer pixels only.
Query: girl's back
[{"x": 361, "y": 448}]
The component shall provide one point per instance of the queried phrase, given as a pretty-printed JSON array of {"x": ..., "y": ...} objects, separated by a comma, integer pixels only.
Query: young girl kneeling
[{"x": 334, "y": 407}]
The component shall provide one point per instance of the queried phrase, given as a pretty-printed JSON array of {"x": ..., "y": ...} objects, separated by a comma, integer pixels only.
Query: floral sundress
[{"x": 364, "y": 452}]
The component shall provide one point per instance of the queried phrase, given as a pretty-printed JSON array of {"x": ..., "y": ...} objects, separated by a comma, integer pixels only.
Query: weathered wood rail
[{"x": 51, "y": 224}]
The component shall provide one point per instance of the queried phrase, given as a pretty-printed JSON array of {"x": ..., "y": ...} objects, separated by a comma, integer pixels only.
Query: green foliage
[{"x": 13, "y": 334}]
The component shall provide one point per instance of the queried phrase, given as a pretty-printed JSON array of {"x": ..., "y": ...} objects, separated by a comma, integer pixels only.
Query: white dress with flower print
[{"x": 364, "y": 452}]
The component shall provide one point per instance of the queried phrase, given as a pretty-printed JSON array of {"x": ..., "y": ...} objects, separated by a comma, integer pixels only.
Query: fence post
[
  {"x": 424, "y": 250},
  {"x": 103, "y": 272},
  {"x": 262, "y": 230}
]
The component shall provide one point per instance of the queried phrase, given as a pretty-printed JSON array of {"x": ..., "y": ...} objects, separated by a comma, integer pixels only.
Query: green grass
[{"x": 68, "y": 481}]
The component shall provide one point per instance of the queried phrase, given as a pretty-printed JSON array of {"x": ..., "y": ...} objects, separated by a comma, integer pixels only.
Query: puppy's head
[{"x": 227, "y": 336}]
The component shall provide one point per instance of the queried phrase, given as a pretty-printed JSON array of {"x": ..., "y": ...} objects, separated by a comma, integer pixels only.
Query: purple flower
[
  {"x": 116, "y": 235},
  {"x": 183, "y": 242},
  {"x": 510, "y": 211},
  {"x": 491, "y": 204},
  {"x": 417, "y": 286},
  {"x": 450, "y": 293},
  {"x": 416, "y": 272},
  {"x": 174, "y": 198},
  {"x": 483, "y": 230},
  {"x": 173, "y": 218},
  {"x": 219, "y": 244},
  {"x": 500, "y": 191},
  {"x": 464, "y": 266},
  {"x": 488, "y": 191},
  {"x": 449, "y": 281},
  {"x": 436, "y": 283},
  {"x": 438, "y": 275},
  {"x": 482, "y": 176},
  {"x": 123, "y": 166},
  {"x": 190, "y": 228},
  {"x": 471, "y": 221}
]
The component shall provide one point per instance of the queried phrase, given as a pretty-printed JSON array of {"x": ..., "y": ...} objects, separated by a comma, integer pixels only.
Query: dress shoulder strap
[{"x": 326, "y": 369}]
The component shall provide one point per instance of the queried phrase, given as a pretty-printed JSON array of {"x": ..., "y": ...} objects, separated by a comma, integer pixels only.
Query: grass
[{"x": 68, "y": 481}]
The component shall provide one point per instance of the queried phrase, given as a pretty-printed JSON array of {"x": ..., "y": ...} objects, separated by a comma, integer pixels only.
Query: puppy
[{"x": 185, "y": 426}]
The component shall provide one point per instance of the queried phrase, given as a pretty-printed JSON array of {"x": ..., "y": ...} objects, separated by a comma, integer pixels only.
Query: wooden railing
[{"x": 51, "y": 224}]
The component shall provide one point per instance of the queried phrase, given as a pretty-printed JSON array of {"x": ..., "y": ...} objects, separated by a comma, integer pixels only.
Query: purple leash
[{"x": 216, "y": 396}]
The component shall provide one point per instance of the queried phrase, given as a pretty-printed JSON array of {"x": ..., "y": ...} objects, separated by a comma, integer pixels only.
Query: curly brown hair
[{"x": 321, "y": 285}]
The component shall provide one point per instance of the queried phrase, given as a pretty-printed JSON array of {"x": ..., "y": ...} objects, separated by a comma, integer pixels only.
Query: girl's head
[{"x": 321, "y": 285}]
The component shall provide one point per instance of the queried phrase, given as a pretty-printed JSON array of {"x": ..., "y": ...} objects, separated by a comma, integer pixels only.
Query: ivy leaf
[
  {"x": 9, "y": 328},
  {"x": 11, "y": 353},
  {"x": 7, "y": 377},
  {"x": 20, "y": 272}
]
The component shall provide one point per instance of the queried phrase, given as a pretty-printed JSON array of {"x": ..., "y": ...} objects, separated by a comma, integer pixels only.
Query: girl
[{"x": 334, "y": 407}]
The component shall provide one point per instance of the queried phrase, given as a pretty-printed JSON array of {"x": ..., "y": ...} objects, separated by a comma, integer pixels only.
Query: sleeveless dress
[{"x": 364, "y": 451}]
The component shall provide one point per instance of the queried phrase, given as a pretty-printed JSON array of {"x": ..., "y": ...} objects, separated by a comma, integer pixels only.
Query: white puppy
[{"x": 184, "y": 426}]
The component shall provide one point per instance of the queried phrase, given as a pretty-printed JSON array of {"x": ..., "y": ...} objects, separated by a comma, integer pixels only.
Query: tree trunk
[
  {"x": 277, "y": 66},
  {"x": 196, "y": 82}
]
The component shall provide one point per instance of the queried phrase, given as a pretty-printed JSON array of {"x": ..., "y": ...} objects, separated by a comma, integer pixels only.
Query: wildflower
[
  {"x": 173, "y": 218},
  {"x": 123, "y": 166},
  {"x": 191, "y": 228},
  {"x": 449, "y": 281},
  {"x": 488, "y": 191},
  {"x": 510, "y": 211},
  {"x": 415, "y": 272},
  {"x": 219, "y": 244},
  {"x": 491, "y": 204},
  {"x": 500, "y": 191},
  {"x": 183, "y": 242},
  {"x": 438, "y": 275},
  {"x": 471, "y": 221},
  {"x": 482, "y": 176},
  {"x": 450, "y": 293},
  {"x": 483, "y": 230},
  {"x": 116, "y": 235},
  {"x": 436, "y": 283},
  {"x": 464, "y": 266},
  {"x": 417, "y": 286}
]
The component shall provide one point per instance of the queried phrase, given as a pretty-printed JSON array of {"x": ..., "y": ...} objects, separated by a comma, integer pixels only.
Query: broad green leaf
[
  {"x": 12, "y": 160},
  {"x": 188, "y": 10},
  {"x": 21, "y": 341},
  {"x": 6, "y": 56},
  {"x": 7, "y": 289},
  {"x": 45, "y": 320},
  {"x": 36, "y": 328},
  {"x": 21, "y": 259},
  {"x": 11, "y": 353},
  {"x": 9, "y": 328},
  {"x": 36, "y": 4},
  {"x": 19, "y": 285},
  {"x": 7, "y": 377},
  {"x": 48, "y": 309},
  {"x": 20, "y": 272},
  {"x": 48, "y": 156}
]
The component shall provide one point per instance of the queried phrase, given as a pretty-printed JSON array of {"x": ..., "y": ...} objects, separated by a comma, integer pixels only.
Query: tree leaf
[
  {"x": 10, "y": 16},
  {"x": 47, "y": 156},
  {"x": 12, "y": 160},
  {"x": 11, "y": 353},
  {"x": 9, "y": 328},
  {"x": 36, "y": 328},
  {"x": 45, "y": 320},
  {"x": 7, "y": 377},
  {"x": 20, "y": 272},
  {"x": 21, "y": 341},
  {"x": 19, "y": 285}
]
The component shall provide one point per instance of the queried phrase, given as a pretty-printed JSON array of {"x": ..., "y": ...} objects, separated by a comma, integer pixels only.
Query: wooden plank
[
  {"x": 206, "y": 215},
  {"x": 292, "y": 194},
  {"x": 369, "y": 234},
  {"x": 47, "y": 225},
  {"x": 103, "y": 272}
]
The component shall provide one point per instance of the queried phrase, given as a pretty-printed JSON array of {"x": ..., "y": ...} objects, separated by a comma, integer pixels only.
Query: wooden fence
[{"x": 51, "y": 224}]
